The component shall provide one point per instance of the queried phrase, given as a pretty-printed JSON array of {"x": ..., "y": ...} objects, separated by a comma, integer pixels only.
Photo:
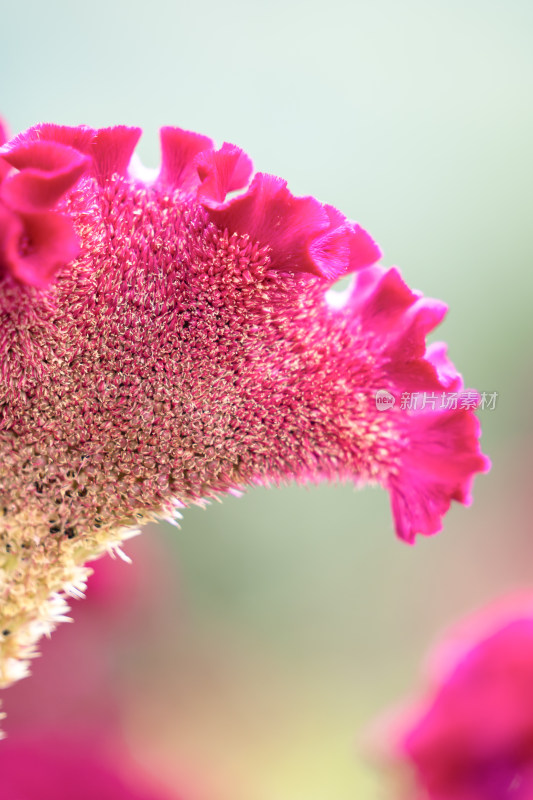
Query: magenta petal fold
[
  {"x": 179, "y": 150},
  {"x": 186, "y": 342},
  {"x": 302, "y": 235},
  {"x": 47, "y": 171},
  {"x": 36, "y": 240},
  {"x": 109, "y": 150},
  {"x": 222, "y": 171},
  {"x": 48, "y": 241}
]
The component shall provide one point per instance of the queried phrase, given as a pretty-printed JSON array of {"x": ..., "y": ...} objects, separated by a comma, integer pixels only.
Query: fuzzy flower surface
[
  {"x": 471, "y": 736},
  {"x": 166, "y": 341}
]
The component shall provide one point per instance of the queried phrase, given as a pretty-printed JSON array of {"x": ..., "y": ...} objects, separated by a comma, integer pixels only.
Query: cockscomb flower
[
  {"x": 471, "y": 736},
  {"x": 190, "y": 346}
]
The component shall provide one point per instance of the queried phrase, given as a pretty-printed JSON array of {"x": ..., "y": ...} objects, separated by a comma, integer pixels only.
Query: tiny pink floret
[{"x": 164, "y": 342}]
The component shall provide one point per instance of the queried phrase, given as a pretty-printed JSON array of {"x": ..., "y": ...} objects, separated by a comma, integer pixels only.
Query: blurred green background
[{"x": 298, "y": 617}]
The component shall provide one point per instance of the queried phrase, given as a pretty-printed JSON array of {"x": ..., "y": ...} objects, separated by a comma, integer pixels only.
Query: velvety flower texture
[
  {"x": 471, "y": 736},
  {"x": 162, "y": 342}
]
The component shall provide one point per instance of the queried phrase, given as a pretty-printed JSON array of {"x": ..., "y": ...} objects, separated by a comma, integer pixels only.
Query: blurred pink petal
[
  {"x": 63, "y": 767},
  {"x": 470, "y": 737}
]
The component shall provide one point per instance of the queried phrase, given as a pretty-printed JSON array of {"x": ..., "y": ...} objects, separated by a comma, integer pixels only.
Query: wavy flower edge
[
  {"x": 308, "y": 236},
  {"x": 35, "y": 238},
  {"x": 444, "y": 455}
]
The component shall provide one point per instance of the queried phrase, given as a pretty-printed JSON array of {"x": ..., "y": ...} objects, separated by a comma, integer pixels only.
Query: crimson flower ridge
[{"x": 163, "y": 343}]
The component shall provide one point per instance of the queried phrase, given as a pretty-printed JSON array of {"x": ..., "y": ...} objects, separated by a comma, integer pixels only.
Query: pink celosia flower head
[
  {"x": 471, "y": 736},
  {"x": 163, "y": 342}
]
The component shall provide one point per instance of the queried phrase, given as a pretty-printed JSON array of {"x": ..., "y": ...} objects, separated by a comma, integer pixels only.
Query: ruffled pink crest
[
  {"x": 448, "y": 376},
  {"x": 395, "y": 314},
  {"x": 345, "y": 247},
  {"x": 179, "y": 149},
  {"x": 110, "y": 149},
  {"x": 379, "y": 301},
  {"x": 47, "y": 170},
  {"x": 437, "y": 466},
  {"x": 35, "y": 246},
  {"x": 79, "y": 137},
  {"x": 222, "y": 171},
  {"x": 441, "y": 452},
  {"x": 304, "y": 235},
  {"x": 399, "y": 320},
  {"x": 50, "y": 160},
  {"x": 407, "y": 365}
]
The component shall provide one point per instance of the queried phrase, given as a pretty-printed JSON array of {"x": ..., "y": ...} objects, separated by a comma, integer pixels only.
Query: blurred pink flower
[
  {"x": 65, "y": 726},
  {"x": 81, "y": 682},
  {"x": 471, "y": 735},
  {"x": 63, "y": 767}
]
